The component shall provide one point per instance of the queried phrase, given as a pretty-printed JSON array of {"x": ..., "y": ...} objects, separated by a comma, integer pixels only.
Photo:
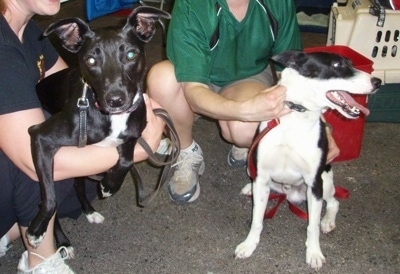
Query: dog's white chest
[
  {"x": 118, "y": 125},
  {"x": 290, "y": 150}
]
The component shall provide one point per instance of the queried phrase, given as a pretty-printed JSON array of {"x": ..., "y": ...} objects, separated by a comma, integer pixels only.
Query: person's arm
[
  {"x": 266, "y": 105},
  {"x": 69, "y": 161},
  {"x": 59, "y": 65},
  {"x": 73, "y": 161},
  {"x": 333, "y": 149}
]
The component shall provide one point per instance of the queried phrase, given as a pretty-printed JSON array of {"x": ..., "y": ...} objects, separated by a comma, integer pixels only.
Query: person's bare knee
[
  {"x": 238, "y": 133},
  {"x": 163, "y": 87},
  {"x": 161, "y": 82}
]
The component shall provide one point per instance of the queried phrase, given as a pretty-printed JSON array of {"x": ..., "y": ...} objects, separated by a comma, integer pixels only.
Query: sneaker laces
[
  {"x": 184, "y": 166},
  {"x": 55, "y": 262}
]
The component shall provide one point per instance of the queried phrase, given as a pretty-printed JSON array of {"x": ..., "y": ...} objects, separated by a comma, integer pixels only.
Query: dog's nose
[
  {"x": 115, "y": 100},
  {"x": 376, "y": 82}
]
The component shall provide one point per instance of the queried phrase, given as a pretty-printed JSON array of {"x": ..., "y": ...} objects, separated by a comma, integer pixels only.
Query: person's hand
[
  {"x": 333, "y": 149},
  {"x": 153, "y": 131},
  {"x": 269, "y": 104}
]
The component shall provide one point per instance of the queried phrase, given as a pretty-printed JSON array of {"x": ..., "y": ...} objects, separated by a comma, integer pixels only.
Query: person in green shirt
[{"x": 218, "y": 54}]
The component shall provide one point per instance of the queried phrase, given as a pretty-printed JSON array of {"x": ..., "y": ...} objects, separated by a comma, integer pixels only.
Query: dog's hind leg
[
  {"x": 247, "y": 189},
  {"x": 314, "y": 256},
  {"x": 332, "y": 205},
  {"x": 260, "y": 199},
  {"x": 91, "y": 214}
]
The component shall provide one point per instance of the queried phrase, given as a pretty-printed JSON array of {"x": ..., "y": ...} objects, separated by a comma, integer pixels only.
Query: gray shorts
[{"x": 265, "y": 77}]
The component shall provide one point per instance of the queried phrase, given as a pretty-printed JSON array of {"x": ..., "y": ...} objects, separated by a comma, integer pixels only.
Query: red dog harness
[{"x": 280, "y": 197}]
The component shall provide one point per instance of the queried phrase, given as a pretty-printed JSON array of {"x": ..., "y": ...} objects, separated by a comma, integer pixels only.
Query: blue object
[{"x": 98, "y": 8}]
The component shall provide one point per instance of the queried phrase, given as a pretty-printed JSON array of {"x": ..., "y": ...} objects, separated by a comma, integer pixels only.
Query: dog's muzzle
[{"x": 113, "y": 111}]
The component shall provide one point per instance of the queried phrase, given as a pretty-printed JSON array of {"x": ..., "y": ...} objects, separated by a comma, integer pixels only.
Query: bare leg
[
  {"x": 164, "y": 89},
  {"x": 236, "y": 132},
  {"x": 46, "y": 247}
]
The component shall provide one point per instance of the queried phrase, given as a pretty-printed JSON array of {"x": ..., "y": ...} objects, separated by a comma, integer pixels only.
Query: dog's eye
[
  {"x": 130, "y": 55},
  {"x": 91, "y": 61},
  {"x": 336, "y": 65}
]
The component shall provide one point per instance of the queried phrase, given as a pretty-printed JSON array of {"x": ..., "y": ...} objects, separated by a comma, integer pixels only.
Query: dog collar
[{"x": 295, "y": 107}]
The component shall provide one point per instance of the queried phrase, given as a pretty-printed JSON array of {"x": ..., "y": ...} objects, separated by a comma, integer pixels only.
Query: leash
[
  {"x": 144, "y": 200},
  {"x": 83, "y": 105},
  {"x": 340, "y": 192},
  {"x": 280, "y": 197}
]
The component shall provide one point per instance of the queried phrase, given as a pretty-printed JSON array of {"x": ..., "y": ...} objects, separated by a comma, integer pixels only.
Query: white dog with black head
[{"x": 291, "y": 158}]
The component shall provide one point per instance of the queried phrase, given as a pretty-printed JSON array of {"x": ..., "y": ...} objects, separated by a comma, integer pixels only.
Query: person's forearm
[
  {"x": 210, "y": 104},
  {"x": 72, "y": 162},
  {"x": 75, "y": 162}
]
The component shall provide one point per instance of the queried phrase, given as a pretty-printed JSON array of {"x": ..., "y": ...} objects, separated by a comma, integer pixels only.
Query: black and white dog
[
  {"x": 291, "y": 157},
  {"x": 100, "y": 103}
]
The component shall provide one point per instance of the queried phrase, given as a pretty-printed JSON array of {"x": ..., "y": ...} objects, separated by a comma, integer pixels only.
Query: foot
[
  {"x": 95, "y": 218},
  {"x": 4, "y": 245},
  {"x": 237, "y": 157},
  {"x": 184, "y": 185},
  {"x": 247, "y": 190},
  {"x": 53, "y": 264},
  {"x": 314, "y": 258},
  {"x": 328, "y": 222},
  {"x": 245, "y": 249}
]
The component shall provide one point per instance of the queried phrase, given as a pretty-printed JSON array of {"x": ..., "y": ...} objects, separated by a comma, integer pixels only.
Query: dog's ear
[
  {"x": 71, "y": 31},
  {"x": 142, "y": 22},
  {"x": 290, "y": 59}
]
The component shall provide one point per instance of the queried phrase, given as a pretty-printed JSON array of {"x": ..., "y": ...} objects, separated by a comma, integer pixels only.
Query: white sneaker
[
  {"x": 51, "y": 265},
  {"x": 237, "y": 157},
  {"x": 184, "y": 185},
  {"x": 4, "y": 247}
]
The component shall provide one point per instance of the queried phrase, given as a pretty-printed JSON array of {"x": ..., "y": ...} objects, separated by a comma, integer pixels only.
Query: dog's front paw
[
  {"x": 245, "y": 249},
  {"x": 95, "y": 217},
  {"x": 247, "y": 190},
  {"x": 315, "y": 258},
  {"x": 34, "y": 240}
]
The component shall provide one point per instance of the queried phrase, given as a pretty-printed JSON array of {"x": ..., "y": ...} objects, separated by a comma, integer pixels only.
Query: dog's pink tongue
[{"x": 350, "y": 101}]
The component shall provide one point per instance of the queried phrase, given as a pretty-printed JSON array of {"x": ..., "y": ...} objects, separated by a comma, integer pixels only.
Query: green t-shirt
[{"x": 243, "y": 49}]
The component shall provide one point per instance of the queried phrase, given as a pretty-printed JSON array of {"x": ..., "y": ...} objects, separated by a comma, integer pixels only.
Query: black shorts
[{"x": 20, "y": 196}]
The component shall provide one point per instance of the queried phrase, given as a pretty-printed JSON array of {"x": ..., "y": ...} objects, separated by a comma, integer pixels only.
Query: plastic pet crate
[
  {"x": 347, "y": 133},
  {"x": 353, "y": 25}
]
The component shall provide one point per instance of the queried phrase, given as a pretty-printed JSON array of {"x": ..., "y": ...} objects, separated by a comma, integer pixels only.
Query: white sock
[{"x": 194, "y": 147}]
